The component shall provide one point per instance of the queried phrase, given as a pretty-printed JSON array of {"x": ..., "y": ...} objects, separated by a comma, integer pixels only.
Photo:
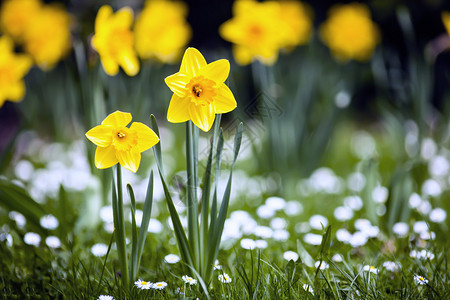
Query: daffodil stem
[
  {"x": 193, "y": 228},
  {"x": 120, "y": 227}
]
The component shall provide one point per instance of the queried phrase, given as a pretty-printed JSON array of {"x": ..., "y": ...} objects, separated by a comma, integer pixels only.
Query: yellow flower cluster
[
  {"x": 13, "y": 67},
  {"x": 349, "y": 32},
  {"x": 259, "y": 30},
  {"x": 42, "y": 29},
  {"x": 160, "y": 32}
]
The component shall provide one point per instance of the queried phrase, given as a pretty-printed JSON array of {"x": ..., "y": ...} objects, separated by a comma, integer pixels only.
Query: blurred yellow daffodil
[
  {"x": 162, "y": 31},
  {"x": 199, "y": 90},
  {"x": 349, "y": 32},
  {"x": 16, "y": 16},
  {"x": 117, "y": 143},
  {"x": 13, "y": 67},
  {"x": 259, "y": 29},
  {"x": 114, "y": 40},
  {"x": 298, "y": 16},
  {"x": 446, "y": 20},
  {"x": 47, "y": 39}
]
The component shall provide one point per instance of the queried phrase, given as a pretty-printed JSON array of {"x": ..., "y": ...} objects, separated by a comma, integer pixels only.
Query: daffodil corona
[
  {"x": 13, "y": 67},
  {"x": 117, "y": 143},
  {"x": 199, "y": 90},
  {"x": 114, "y": 40}
]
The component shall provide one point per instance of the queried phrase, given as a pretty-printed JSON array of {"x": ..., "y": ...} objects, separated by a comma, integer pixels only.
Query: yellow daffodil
[
  {"x": 446, "y": 20},
  {"x": 114, "y": 40},
  {"x": 13, "y": 67},
  {"x": 16, "y": 16},
  {"x": 298, "y": 16},
  {"x": 117, "y": 143},
  {"x": 350, "y": 33},
  {"x": 162, "y": 31},
  {"x": 199, "y": 91},
  {"x": 257, "y": 31},
  {"x": 47, "y": 39}
]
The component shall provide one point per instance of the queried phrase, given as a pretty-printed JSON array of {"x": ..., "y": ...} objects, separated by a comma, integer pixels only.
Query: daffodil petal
[
  {"x": 109, "y": 64},
  {"x": 117, "y": 119},
  {"x": 224, "y": 100},
  {"x": 177, "y": 83},
  {"x": 446, "y": 20},
  {"x": 100, "y": 135},
  {"x": 242, "y": 55},
  {"x": 130, "y": 160},
  {"x": 178, "y": 109},
  {"x": 102, "y": 16},
  {"x": 105, "y": 157},
  {"x": 202, "y": 116},
  {"x": 217, "y": 71},
  {"x": 147, "y": 138},
  {"x": 124, "y": 17},
  {"x": 192, "y": 61},
  {"x": 15, "y": 91},
  {"x": 129, "y": 63}
]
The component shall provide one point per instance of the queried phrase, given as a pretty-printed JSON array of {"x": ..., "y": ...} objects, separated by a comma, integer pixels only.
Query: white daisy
[
  {"x": 105, "y": 297},
  {"x": 370, "y": 269},
  {"x": 159, "y": 285},
  {"x": 217, "y": 266},
  {"x": 53, "y": 242},
  {"x": 224, "y": 278},
  {"x": 99, "y": 249},
  {"x": 171, "y": 258},
  {"x": 308, "y": 288},
  {"x": 290, "y": 255},
  {"x": 323, "y": 265},
  {"x": 391, "y": 266},
  {"x": 49, "y": 222},
  {"x": 31, "y": 238},
  {"x": 189, "y": 280},
  {"x": 420, "y": 280},
  {"x": 143, "y": 285}
]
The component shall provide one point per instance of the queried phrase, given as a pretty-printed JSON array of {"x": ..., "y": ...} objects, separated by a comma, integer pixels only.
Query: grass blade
[{"x": 145, "y": 219}]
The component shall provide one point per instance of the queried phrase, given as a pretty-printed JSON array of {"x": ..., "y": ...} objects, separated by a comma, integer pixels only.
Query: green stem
[
  {"x": 120, "y": 227},
  {"x": 193, "y": 228}
]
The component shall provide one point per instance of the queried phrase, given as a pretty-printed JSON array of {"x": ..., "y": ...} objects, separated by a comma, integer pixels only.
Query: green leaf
[
  {"x": 304, "y": 255},
  {"x": 157, "y": 147},
  {"x": 134, "y": 255},
  {"x": 145, "y": 219},
  {"x": 15, "y": 198}
]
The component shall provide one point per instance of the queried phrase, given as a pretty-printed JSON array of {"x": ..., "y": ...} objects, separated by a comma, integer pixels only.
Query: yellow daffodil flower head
[
  {"x": 16, "y": 16},
  {"x": 117, "y": 143},
  {"x": 47, "y": 39},
  {"x": 446, "y": 20},
  {"x": 199, "y": 91},
  {"x": 257, "y": 31},
  {"x": 114, "y": 40},
  {"x": 13, "y": 67},
  {"x": 162, "y": 31},
  {"x": 350, "y": 33},
  {"x": 298, "y": 16}
]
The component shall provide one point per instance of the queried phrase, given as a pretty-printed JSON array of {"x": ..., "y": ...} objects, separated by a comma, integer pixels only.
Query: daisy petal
[
  {"x": 178, "y": 109},
  {"x": 105, "y": 157},
  {"x": 147, "y": 138},
  {"x": 177, "y": 83},
  {"x": 100, "y": 135},
  {"x": 192, "y": 61},
  {"x": 202, "y": 116},
  {"x": 130, "y": 160},
  {"x": 217, "y": 71},
  {"x": 117, "y": 119},
  {"x": 224, "y": 100}
]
